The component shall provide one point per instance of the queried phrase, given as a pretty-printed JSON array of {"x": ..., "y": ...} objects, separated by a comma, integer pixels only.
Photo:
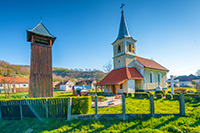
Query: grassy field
[{"x": 189, "y": 123}]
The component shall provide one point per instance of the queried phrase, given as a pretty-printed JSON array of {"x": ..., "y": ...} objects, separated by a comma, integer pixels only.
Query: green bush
[
  {"x": 169, "y": 92},
  {"x": 142, "y": 95},
  {"x": 130, "y": 94},
  {"x": 189, "y": 99},
  {"x": 148, "y": 92},
  {"x": 159, "y": 95},
  {"x": 193, "y": 95},
  {"x": 125, "y": 94},
  {"x": 162, "y": 92},
  {"x": 169, "y": 96},
  {"x": 176, "y": 97},
  {"x": 81, "y": 105}
]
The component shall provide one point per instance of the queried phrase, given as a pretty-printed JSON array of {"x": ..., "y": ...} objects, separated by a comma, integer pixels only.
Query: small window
[
  {"x": 121, "y": 86},
  {"x": 130, "y": 48},
  {"x": 119, "y": 49},
  {"x": 159, "y": 78},
  {"x": 151, "y": 78},
  {"x": 24, "y": 85},
  {"x": 1, "y": 85},
  {"x": 119, "y": 61}
]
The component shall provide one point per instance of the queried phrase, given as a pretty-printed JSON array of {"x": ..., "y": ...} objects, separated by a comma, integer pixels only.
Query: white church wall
[{"x": 131, "y": 86}]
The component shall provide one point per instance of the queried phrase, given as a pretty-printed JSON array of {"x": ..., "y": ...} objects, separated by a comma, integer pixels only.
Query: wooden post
[
  {"x": 123, "y": 108},
  {"x": 20, "y": 106},
  {"x": 101, "y": 88},
  {"x": 0, "y": 113},
  {"x": 152, "y": 110},
  {"x": 69, "y": 108},
  {"x": 182, "y": 104},
  {"x": 96, "y": 107},
  {"x": 115, "y": 87},
  {"x": 108, "y": 86},
  {"x": 47, "y": 110}
]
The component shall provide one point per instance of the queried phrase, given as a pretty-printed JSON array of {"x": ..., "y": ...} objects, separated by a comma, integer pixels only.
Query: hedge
[
  {"x": 130, "y": 94},
  {"x": 142, "y": 95},
  {"x": 125, "y": 94},
  {"x": 162, "y": 92},
  {"x": 169, "y": 96},
  {"x": 81, "y": 105},
  {"x": 159, "y": 95},
  {"x": 176, "y": 97},
  {"x": 193, "y": 95}
]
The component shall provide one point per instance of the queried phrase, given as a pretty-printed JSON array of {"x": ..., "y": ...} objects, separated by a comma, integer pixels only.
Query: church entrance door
[{"x": 113, "y": 89}]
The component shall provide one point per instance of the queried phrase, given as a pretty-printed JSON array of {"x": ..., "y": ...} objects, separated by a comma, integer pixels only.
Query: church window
[
  {"x": 151, "y": 77},
  {"x": 119, "y": 49},
  {"x": 121, "y": 86},
  {"x": 130, "y": 48},
  {"x": 159, "y": 78}
]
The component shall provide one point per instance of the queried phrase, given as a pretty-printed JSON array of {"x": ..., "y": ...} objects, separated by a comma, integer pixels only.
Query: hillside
[{"x": 59, "y": 74}]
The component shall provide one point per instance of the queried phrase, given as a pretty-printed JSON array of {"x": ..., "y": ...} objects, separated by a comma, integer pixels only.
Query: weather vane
[{"x": 122, "y": 5}]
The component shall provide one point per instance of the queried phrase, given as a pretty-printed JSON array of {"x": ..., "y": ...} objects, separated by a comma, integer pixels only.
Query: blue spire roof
[{"x": 123, "y": 29}]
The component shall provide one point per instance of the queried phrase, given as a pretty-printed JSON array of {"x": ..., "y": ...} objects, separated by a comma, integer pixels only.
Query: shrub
[
  {"x": 157, "y": 92},
  {"x": 159, "y": 95},
  {"x": 148, "y": 92},
  {"x": 125, "y": 94},
  {"x": 189, "y": 99},
  {"x": 81, "y": 105},
  {"x": 176, "y": 97},
  {"x": 169, "y": 92},
  {"x": 130, "y": 94},
  {"x": 180, "y": 90},
  {"x": 142, "y": 95},
  {"x": 169, "y": 96}
]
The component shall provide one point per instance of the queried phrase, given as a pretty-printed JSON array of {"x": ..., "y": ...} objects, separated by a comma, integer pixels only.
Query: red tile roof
[
  {"x": 118, "y": 76},
  {"x": 150, "y": 63},
  {"x": 12, "y": 80}
]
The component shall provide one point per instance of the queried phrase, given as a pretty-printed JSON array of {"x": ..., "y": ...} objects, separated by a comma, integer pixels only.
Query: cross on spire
[
  {"x": 122, "y": 5},
  {"x": 40, "y": 19}
]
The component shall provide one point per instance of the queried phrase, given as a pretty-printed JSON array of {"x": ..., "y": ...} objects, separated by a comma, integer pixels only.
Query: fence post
[
  {"x": 0, "y": 112},
  {"x": 182, "y": 104},
  {"x": 69, "y": 108},
  {"x": 20, "y": 106},
  {"x": 123, "y": 108},
  {"x": 47, "y": 110},
  {"x": 96, "y": 107},
  {"x": 152, "y": 109}
]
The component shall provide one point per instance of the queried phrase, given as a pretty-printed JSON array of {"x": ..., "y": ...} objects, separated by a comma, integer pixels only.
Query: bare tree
[{"x": 107, "y": 67}]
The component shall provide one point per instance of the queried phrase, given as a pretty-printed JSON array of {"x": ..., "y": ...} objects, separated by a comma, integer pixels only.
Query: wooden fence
[
  {"x": 41, "y": 108},
  {"x": 62, "y": 108},
  {"x": 124, "y": 115}
]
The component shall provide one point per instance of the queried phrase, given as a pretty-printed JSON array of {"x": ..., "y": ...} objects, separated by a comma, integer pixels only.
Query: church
[{"x": 131, "y": 72}]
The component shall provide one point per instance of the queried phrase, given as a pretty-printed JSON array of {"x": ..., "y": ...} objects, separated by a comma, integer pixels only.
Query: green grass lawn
[{"x": 173, "y": 124}]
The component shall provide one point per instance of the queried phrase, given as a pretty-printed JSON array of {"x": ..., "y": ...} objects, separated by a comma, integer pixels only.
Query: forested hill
[{"x": 59, "y": 74}]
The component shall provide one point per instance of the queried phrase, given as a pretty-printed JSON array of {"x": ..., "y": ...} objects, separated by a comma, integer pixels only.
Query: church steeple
[{"x": 123, "y": 29}]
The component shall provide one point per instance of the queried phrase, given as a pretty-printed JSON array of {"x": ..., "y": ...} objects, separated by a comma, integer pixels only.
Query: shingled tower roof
[
  {"x": 123, "y": 29},
  {"x": 41, "y": 30}
]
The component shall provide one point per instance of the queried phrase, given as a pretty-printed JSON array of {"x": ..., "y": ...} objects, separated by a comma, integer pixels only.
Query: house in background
[
  {"x": 14, "y": 84},
  {"x": 131, "y": 72},
  {"x": 90, "y": 82},
  {"x": 65, "y": 85},
  {"x": 186, "y": 81}
]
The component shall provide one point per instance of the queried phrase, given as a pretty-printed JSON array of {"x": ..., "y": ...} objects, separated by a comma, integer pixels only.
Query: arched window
[
  {"x": 119, "y": 49},
  {"x": 130, "y": 48},
  {"x": 159, "y": 78},
  {"x": 151, "y": 77}
]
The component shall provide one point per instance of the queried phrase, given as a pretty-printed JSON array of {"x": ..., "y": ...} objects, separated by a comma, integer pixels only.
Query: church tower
[
  {"x": 40, "y": 84},
  {"x": 123, "y": 47}
]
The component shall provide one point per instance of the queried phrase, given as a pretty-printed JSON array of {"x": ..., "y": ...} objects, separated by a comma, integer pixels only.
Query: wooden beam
[
  {"x": 101, "y": 88},
  {"x": 107, "y": 87},
  {"x": 115, "y": 88}
]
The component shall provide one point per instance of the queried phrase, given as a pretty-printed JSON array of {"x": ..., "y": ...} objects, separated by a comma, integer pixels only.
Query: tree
[
  {"x": 107, "y": 67},
  {"x": 198, "y": 72}
]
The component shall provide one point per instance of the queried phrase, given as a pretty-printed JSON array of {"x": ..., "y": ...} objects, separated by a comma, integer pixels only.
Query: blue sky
[{"x": 166, "y": 30}]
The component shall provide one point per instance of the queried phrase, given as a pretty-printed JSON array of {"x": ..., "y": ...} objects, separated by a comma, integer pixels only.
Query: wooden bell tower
[{"x": 40, "y": 83}]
